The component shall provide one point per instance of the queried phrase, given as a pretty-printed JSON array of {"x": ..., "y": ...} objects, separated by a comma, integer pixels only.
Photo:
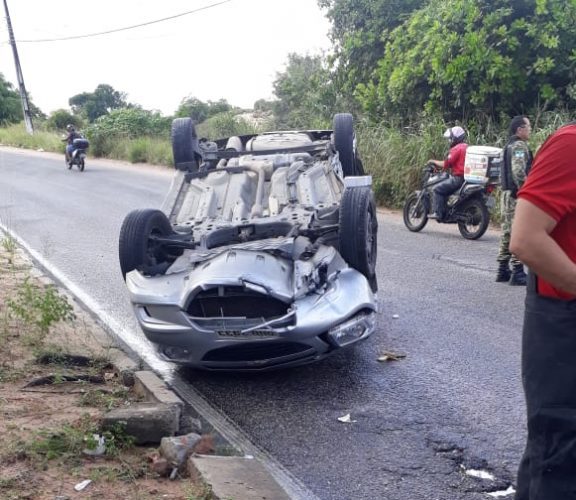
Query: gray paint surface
[{"x": 455, "y": 399}]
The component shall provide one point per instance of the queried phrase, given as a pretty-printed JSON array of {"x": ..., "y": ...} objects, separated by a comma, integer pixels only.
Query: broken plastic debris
[
  {"x": 250, "y": 457},
  {"x": 504, "y": 493},
  {"x": 395, "y": 316},
  {"x": 390, "y": 356},
  {"x": 346, "y": 419},
  {"x": 99, "y": 448},
  {"x": 480, "y": 474},
  {"x": 82, "y": 485}
]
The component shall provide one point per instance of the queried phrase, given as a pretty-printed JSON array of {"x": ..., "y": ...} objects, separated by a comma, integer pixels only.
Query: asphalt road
[{"x": 454, "y": 403}]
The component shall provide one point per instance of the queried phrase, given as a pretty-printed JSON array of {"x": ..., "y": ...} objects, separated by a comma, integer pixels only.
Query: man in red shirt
[
  {"x": 453, "y": 162},
  {"x": 544, "y": 238}
]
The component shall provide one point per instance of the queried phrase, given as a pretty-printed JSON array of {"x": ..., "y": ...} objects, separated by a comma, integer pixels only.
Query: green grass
[{"x": 16, "y": 135}]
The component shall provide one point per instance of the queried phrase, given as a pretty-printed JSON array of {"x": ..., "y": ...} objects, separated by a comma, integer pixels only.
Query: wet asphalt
[{"x": 453, "y": 403}]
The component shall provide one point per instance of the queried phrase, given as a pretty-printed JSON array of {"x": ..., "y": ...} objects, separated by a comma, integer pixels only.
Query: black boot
[
  {"x": 503, "y": 273},
  {"x": 518, "y": 277}
]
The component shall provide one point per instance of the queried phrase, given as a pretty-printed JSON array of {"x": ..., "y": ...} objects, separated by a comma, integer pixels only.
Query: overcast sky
[{"x": 231, "y": 51}]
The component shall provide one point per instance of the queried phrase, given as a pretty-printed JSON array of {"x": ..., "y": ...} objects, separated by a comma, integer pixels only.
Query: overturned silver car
[{"x": 263, "y": 255}]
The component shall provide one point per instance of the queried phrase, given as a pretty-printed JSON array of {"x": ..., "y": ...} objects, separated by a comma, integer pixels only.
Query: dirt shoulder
[{"x": 56, "y": 383}]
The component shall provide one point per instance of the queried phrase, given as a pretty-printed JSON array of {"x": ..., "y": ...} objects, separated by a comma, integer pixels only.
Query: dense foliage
[
  {"x": 460, "y": 59},
  {"x": 199, "y": 110},
  {"x": 92, "y": 105}
]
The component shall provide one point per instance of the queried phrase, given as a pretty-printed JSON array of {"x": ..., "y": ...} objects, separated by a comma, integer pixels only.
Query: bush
[
  {"x": 60, "y": 118},
  {"x": 225, "y": 125}
]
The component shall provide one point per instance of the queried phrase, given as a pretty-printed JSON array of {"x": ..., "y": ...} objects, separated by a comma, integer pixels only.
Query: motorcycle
[
  {"x": 468, "y": 207},
  {"x": 79, "y": 153}
]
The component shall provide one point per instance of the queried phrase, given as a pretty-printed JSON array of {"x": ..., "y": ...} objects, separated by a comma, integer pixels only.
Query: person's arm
[
  {"x": 532, "y": 244},
  {"x": 437, "y": 163}
]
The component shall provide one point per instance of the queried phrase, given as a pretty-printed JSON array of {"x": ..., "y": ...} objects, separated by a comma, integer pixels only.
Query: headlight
[{"x": 353, "y": 329}]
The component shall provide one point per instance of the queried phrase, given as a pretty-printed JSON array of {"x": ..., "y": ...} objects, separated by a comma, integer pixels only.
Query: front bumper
[{"x": 316, "y": 325}]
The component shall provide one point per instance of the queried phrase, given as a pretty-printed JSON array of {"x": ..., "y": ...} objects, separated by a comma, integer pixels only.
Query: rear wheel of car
[
  {"x": 184, "y": 144},
  {"x": 359, "y": 230},
  {"x": 138, "y": 248},
  {"x": 343, "y": 127}
]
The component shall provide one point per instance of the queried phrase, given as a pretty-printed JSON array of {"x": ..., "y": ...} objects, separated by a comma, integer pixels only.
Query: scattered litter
[
  {"x": 109, "y": 376},
  {"x": 505, "y": 493},
  {"x": 480, "y": 474},
  {"x": 251, "y": 457},
  {"x": 346, "y": 419},
  {"x": 391, "y": 356},
  {"x": 395, "y": 316},
  {"x": 40, "y": 150},
  {"x": 99, "y": 446},
  {"x": 177, "y": 449},
  {"x": 82, "y": 485}
]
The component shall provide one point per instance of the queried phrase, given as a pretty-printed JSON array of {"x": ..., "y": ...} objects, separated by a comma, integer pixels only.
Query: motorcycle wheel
[
  {"x": 68, "y": 163},
  {"x": 81, "y": 165},
  {"x": 415, "y": 213},
  {"x": 476, "y": 220}
]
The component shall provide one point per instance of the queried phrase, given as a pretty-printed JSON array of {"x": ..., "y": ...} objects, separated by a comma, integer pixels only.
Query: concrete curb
[{"x": 241, "y": 478}]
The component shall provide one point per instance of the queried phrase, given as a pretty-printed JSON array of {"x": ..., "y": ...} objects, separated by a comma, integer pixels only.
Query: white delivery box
[{"x": 482, "y": 164}]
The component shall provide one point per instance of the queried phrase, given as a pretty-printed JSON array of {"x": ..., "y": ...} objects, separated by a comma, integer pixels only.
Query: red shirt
[
  {"x": 455, "y": 159},
  {"x": 551, "y": 186}
]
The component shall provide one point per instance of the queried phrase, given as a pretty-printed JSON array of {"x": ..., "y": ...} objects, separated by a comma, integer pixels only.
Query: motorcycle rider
[
  {"x": 69, "y": 140},
  {"x": 455, "y": 162},
  {"x": 517, "y": 162}
]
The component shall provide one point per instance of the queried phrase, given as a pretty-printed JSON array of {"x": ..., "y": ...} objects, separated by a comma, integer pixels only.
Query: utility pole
[{"x": 19, "y": 76}]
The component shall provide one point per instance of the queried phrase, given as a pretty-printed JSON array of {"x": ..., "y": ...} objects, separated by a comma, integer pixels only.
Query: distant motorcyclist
[
  {"x": 71, "y": 134},
  {"x": 455, "y": 163}
]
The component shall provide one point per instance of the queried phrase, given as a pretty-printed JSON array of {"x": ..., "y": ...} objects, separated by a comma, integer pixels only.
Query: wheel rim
[
  {"x": 416, "y": 212},
  {"x": 371, "y": 240},
  {"x": 473, "y": 219}
]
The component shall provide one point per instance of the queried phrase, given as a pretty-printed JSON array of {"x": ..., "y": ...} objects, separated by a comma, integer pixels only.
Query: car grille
[
  {"x": 260, "y": 351},
  {"x": 236, "y": 302}
]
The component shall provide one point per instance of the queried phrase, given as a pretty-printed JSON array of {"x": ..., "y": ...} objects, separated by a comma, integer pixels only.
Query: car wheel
[
  {"x": 184, "y": 144},
  {"x": 474, "y": 219},
  {"x": 358, "y": 230},
  {"x": 415, "y": 212},
  {"x": 344, "y": 142},
  {"x": 137, "y": 248}
]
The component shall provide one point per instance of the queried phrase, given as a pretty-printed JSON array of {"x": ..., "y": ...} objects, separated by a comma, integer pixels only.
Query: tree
[
  {"x": 359, "y": 31},
  {"x": 306, "y": 94},
  {"x": 60, "y": 118},
  {"x": 10, "y": 104},
  {"x": 98, "y": 103},
  {"x": 464, "y": 57},
  {"x": 200, "y": 111}
]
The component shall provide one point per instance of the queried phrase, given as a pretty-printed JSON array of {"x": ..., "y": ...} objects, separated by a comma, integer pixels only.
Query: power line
[{"x": 75, "y": 37}]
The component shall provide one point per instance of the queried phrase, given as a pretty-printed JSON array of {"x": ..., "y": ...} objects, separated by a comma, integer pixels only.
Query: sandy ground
[{"x": 45, "y": 427}]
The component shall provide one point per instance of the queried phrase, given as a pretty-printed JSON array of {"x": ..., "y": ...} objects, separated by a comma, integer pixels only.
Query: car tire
[
  {"x": 343, "y": 126},
  {"x": 478, "y": 219},
  {"x": 136, "y": 249},
  {"x": 184, "y": 144},
  {"x": 358, "y": 230}
]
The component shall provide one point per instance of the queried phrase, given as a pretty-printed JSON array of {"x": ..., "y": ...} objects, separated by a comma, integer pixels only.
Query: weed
[
  {"x": 98, "y": 399},
  {"x": 201, "y": 491},
  {"x": 117, "y": 440},
  {"x": 39, "y": 308},
  {"x": 9, "y": 244}
]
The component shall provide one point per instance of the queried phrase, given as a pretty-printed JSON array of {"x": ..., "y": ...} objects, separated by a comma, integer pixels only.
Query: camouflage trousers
[{"x": 508, "y": 207}]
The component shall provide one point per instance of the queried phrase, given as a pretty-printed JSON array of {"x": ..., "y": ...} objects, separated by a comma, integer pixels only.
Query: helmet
[
  {"x": 70, "y": 127},
  {"x": 455, "y": 134}
]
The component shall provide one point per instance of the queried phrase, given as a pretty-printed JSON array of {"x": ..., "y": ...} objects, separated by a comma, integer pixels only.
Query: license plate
[{"x": 239, "y": 334}]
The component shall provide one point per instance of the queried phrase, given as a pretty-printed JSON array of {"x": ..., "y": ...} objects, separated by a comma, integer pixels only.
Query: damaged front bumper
[{"x": 250, "y": 310}]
